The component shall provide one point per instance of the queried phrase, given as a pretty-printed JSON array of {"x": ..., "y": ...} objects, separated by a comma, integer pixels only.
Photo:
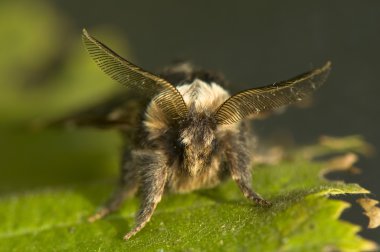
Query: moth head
[
  {"x": 196, "y": 133},
  {"x": 198, "y": 139}
]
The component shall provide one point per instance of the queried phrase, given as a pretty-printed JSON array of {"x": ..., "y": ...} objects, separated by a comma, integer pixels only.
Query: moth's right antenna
[{"x": 165, "y": 94}]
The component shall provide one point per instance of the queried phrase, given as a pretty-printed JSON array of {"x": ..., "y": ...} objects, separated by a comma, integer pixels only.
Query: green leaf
[
  {"x": 51, "y": 180},
  {"x": 301, "y": 218}
]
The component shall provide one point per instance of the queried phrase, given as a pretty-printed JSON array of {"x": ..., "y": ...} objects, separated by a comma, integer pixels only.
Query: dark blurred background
[{"x": 253, "y": 43}]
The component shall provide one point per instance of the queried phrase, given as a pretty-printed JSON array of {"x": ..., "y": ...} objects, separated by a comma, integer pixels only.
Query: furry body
[{"x": 191, "y": 154}]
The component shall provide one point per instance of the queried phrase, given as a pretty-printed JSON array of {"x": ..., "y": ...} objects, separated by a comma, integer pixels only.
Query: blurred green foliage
[
  {"x": 51, "y": 179},
  {"x": 44, "y": 71},
  {"x": 46, "y": 74}
]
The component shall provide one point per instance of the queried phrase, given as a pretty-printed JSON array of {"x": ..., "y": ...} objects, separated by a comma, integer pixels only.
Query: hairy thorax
[{"x": 194, "y": 147}]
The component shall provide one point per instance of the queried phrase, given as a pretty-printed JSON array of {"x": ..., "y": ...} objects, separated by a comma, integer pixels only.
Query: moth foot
[
  {"x": 262, "y": 202},
  {"x": 133, "y": 232},
  {"x": 98, "y": 215},
  {"x": 254, "y": 197}
]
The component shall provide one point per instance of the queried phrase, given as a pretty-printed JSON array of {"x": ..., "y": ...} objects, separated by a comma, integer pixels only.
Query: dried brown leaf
[
  {"x": 343, "y": 163},
  {"x": 371, "y": 210}
]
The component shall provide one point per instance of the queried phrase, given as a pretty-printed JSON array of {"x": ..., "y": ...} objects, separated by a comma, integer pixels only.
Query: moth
[{"x": 188, "y": 132}]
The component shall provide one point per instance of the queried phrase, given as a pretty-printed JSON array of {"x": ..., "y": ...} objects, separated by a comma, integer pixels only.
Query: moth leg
[
  {"x": 113, "y": 203},
  {"x": 248, "y": 192},
  {"x": 153, "y": 179},
  {"x": 127, "y": 187},
  {"x": 238, "y": 158}
]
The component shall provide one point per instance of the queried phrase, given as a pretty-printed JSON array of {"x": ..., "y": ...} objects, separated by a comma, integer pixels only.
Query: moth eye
[
  {"x": 178, "y": 145},
  {"x": 214, "y": 144}
]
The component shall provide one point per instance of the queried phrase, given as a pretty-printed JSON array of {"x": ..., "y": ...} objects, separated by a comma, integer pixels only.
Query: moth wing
[
  {"x": 119, "y": 110},
  {"x": 264, "y": 99}
]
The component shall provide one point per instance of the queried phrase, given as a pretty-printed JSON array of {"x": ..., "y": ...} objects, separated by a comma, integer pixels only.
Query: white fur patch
[{"x": 204, "y": 97}]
